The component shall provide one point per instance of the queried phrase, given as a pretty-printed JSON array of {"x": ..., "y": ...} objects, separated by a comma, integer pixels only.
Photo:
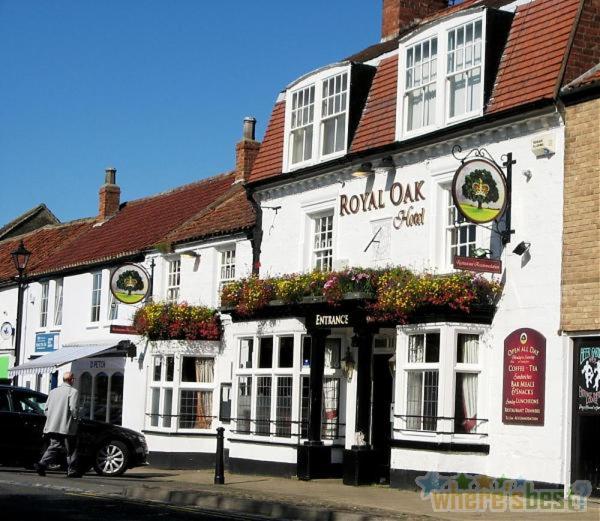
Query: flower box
[
  {"x": 313, "y": 299},
  {"x": 359, "y": 295}
]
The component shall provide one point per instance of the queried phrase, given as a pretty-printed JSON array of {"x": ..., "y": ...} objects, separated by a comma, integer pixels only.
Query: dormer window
[
  {"x": 318, "y": 120},
  {"x": 442, "y": 70},
  {"x": 322, "y": 112},
  {"x": 464, "y": 69}
]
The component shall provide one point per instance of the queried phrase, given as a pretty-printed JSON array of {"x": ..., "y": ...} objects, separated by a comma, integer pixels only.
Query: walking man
[{"x": 61, "y": 427}]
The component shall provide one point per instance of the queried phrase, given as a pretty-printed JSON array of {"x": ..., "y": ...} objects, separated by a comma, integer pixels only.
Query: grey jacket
[{"x": 61, "y": 410}]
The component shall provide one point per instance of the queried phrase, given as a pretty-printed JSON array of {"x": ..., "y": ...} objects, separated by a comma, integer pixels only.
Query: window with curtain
[
  {"x": 302, "y": 116},
  {"x": 45, "y": 288},
  {"x": 467, "y": 373},
  {"x": 58, "y": 301},
  {"x": 181, "y": 392},
  {"x": 422, "y": 381},
  {"x": 442, "y": 375}
]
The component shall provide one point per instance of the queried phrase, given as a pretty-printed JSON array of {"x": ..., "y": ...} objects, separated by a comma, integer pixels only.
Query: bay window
[
  {"x": 440, "y": 380},
  {"x": 181, "y": 392}
]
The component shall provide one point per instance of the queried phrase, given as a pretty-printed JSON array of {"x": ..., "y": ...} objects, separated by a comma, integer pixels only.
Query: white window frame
[
  {"x": 315, "y": 80},
  {"x": 452, "y": 225},
  {"x": 44, "y": 303},
  {"x": 176, "y": 386},
  {"x": 59, "y": 288},
  {"x": 447, "y": 367},
  {"x": 442, "y": 119},
  {"x": 313, "y": 232},
  {"x": 96, "y": 298},
  {"x": 172, "y": 279},
  {"x": 226, "y": 271}
]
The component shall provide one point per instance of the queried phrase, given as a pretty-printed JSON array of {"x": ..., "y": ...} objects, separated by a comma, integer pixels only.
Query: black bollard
[{"x": 219, "y": 471}]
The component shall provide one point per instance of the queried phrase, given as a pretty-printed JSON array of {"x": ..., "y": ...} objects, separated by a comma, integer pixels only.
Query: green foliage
[
  {"x": 129, "y": 281},
  {"x": 476, "y": 179}
]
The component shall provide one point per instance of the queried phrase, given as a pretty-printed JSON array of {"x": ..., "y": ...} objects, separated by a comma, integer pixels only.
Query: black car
[{"x": 109, "y": 449}]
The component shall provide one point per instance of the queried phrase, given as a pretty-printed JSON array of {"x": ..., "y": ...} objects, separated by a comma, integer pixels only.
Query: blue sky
[{"x": 157, "y": 89}]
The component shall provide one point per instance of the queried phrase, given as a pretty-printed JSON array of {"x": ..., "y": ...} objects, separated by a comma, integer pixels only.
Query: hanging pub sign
[
  {"x": 479, "y": 191},
  {"x": 129, "y": 283},
  {"x": 587, "y": 367},
  {"x": 524, "y": 378}
]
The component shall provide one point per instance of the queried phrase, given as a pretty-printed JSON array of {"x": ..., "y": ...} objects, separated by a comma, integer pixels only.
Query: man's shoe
[{"x": 40, "y": 469}]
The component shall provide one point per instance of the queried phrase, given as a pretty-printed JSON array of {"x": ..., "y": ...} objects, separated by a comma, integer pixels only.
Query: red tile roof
[
  {"x": 269, "y": 161},
  {"x": 378, "y": 121},
  {"x": 43, "y": 243},
  {"x": 234, "y": 214},
  {"x": 140, "y": 225},
  {"x": 534, "y": 54}
]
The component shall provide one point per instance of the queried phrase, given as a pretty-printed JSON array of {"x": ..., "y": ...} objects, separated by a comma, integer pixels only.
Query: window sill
[{"x": 199, "y": 433}]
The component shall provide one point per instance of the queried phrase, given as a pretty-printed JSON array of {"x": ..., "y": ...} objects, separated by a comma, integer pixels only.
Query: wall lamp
[
  {"x": 364, "y": 170},
  {"x": 190, "y": 253},
  {"x": 522, "y": 247},
  {"x": 387, "y": 164},
  {"x": 348, "y": 365}
]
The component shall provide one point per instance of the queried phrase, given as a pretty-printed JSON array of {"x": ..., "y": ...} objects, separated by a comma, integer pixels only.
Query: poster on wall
[
  {"x": 130, "y": 283},
  {"x": 587, "y": 379},
  {"x": 479, "y": 191},
  {"x": 524, "y": 378}
]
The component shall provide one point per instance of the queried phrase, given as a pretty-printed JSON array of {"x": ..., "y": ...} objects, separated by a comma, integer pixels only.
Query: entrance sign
[
  {"x": 129, "y": 283},
  {"x": 329, "y": 319},
  {"x": 524, "y": 378},
  {"x": 46, "y": 342},
  {"x": 479, "y": 191},
  {"x": 588, "y": 379}
]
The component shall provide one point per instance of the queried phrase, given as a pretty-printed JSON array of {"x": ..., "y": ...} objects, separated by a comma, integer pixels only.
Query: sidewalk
[{"x": 330, "y": 500}]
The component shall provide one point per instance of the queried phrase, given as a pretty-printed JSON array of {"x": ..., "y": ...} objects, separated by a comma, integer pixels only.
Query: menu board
[
  {"x": 587, "y": 378},
  {"x": 524, "y": 378}
]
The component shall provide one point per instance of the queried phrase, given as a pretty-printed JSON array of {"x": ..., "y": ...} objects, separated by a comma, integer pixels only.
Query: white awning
[{"x": 68, "y": 353}]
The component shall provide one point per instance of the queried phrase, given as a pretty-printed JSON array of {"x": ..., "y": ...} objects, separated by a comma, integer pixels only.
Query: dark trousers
[{"x": 59, "y": 444}]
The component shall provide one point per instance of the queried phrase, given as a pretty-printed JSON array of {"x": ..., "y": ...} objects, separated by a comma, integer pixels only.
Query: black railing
[
  {"x": 283, "y": 428},
  {"x": 429, "y": 423}
]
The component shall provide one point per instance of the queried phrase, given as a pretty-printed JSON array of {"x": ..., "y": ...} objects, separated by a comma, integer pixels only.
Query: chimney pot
[
  {"x": 249, "y": 128},
  {"x": 109, "y": 195},
  {"x": 110, "y": 176},
  {"x": 397, "y": 15},
  {"x": 246, "y": 151}
]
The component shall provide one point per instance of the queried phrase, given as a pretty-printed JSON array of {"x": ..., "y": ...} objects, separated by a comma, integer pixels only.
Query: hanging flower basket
[
  {"x": 171, "y": 321},
  {"x": 390, "y": 294}
]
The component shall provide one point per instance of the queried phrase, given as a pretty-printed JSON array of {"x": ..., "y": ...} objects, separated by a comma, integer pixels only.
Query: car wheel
[{"x": 111, "y": 459}]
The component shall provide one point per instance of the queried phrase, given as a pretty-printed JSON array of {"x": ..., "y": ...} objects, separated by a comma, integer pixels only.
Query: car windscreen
[{"x": 32, "y": 403}]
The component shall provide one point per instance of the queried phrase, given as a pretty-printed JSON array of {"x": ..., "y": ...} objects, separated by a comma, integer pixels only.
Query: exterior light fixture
[
  {"x": 20, "y": 258},
  {"x": 481, "y": 253},
  {"x": 392, "y": 365},
  {"x": 348, "y": 365},
  {"x": 387, "y": 164},
  {"x": 522, "y": 247},
  {"x": 190, "y": 253},
  {"x": 364, "y": 170}
]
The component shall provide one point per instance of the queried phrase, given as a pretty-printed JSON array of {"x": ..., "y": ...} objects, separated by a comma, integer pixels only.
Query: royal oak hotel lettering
[
  {"x": 398, "y": 195},
  {"x": 524, "y": 378},
  {"x": 588, "y": 380}
]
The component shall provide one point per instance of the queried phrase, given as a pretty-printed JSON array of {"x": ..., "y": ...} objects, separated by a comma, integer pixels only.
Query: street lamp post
[{"x": 20, "y": 258}]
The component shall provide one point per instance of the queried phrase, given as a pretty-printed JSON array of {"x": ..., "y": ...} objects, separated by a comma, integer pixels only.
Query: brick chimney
[
  {"x": 246, "y": 151},
  {"x": 399, "y": 14},
  {"x": 109, "y": 195}
]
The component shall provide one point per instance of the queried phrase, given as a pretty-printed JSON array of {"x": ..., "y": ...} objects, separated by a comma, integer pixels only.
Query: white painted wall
[{"x": 531, "y": 296}]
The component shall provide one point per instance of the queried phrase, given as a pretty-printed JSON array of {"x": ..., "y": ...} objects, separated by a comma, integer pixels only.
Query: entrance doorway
[
  {"x": 586, "y": 412},
  {"x": 381, "y": 426}
]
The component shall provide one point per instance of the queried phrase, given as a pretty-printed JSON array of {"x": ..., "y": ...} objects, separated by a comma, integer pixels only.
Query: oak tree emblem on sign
[
  {"x": 479, "y": 191},
  {"x": 129, "y": 283}
]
